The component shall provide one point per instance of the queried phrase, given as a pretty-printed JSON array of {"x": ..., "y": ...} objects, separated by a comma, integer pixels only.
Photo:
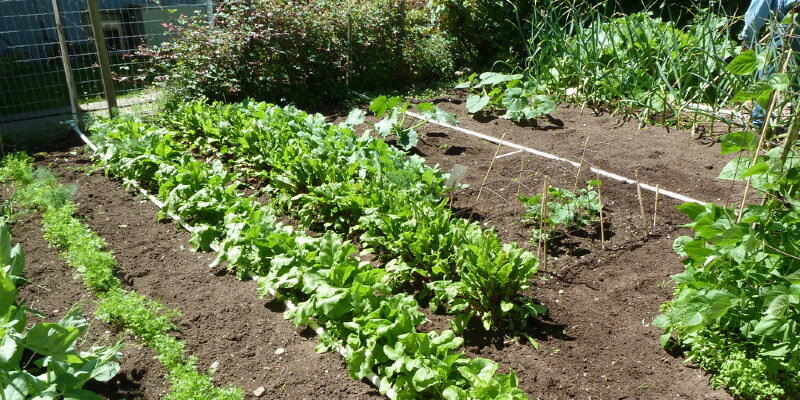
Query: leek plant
[{"x": 637, "y": 64}]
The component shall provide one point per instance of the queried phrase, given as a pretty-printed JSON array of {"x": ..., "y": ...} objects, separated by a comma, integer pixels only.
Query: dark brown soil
[{"x": 597, "y": 341}]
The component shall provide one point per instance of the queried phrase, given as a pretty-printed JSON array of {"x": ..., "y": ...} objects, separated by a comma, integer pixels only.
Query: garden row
[
  {"x": 348, "y": 297},
  {"x": 37, "y": 190}
]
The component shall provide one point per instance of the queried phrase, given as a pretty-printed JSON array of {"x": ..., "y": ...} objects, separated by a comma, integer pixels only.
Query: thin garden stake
[
  {"x": 580, "y": 166},
  {"x": 655, "y": 206},
  {"x": 545, "y": 209},
  {"x": 600, "y": 203},
  {"x": 519, "y": 179},
  {"x": 641, "y": 203},
  {"x": 480, "y": 191}
]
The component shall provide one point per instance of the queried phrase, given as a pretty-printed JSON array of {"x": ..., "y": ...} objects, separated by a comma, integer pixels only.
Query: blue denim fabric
[{"x": 757, "y": 116}]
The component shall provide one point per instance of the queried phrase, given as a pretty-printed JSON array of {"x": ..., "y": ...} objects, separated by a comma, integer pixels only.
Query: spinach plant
[{"x": 41, "y": 360}]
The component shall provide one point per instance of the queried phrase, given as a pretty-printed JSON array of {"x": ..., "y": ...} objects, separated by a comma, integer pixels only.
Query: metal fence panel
[
  {"x": 32, "y": 79},
  {"x": 31, "y": 73}
]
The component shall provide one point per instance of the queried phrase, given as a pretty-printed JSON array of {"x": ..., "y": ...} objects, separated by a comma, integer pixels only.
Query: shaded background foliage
[{"x": 313, "y": 53}]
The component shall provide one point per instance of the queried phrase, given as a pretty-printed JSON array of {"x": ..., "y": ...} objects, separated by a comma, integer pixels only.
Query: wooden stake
[
  {"x": 68, "y": 73},
  {"x": 580, "y": 166},
  {"x": 545, "y": 210},
  {"x": 602, "y": 227},
  {"x": 655, "y": 206},
  {"x": 519, "y": 179},
  {"x": 762, "y": 140},
  {"x": 641, "y": 203},
  {"x": 102, "y": 56},
  {"x": 480, "y": 191}
]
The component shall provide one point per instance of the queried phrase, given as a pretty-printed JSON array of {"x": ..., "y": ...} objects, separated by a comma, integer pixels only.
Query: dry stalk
[
  {"x": 580, "y": 166},
  {"x": 545, "y": 210},
  {"x": 655, "y": 207},
  {"x": 485, "y": 177},
  {"x": 773, "y": 99},
  {"x": 519, "y": 180},
  {"x": 602, "y": 226},
  {"x": 641, "y": 203}
]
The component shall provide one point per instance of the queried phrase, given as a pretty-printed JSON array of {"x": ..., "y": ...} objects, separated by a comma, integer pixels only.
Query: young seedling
[
  {"x": 565, "y": 211},
  {"x": 521, "y": 99},
  {"x": 392, "y": 114}
]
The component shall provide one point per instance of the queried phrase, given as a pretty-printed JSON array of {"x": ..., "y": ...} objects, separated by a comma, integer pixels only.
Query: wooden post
[
  {"x": 69, "y": 75},
  {"x": 545, "y": 212},
  {"x": 210, "y": 12},
  {"x": 102, "y": 56}
]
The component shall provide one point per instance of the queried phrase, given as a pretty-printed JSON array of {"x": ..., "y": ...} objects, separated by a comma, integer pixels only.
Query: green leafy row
[
  {"x": 41, "y": 361},
  {"x": 146, "y": 320},
  {"x": 321, "y": 275},
  {"x": 360, "y": 186}
]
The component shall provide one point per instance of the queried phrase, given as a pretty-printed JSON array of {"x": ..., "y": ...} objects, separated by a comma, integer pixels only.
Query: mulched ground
[{"x": 597, "y": 340}]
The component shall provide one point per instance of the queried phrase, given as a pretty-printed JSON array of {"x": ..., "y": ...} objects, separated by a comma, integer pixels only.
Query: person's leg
[{"x": 757, "y": 116}]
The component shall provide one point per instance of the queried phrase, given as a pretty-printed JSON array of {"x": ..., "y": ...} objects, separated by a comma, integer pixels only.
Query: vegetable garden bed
[{"x": 597, "y": 339}]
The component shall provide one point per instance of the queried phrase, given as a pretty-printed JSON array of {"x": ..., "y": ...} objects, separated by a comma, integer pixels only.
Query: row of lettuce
[
  {"x": 57, "y": 368},
  {"x": 328, "y": 175}
]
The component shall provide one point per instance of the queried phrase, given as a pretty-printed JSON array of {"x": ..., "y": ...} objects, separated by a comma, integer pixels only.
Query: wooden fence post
[
  {"x": 69, "y": 75},
  {"x": 102, "y": 55}
]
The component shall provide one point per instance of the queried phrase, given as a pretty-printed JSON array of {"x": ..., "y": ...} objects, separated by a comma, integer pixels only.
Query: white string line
[
  {"x": 319, "y": 330},
  {"x": 509, "y": 154},
  {"x": 668, "y": 193}
]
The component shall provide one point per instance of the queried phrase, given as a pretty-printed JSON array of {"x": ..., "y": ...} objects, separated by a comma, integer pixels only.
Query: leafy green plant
[
  {"x": 42, "y": 361},
  {"x": 305, "y": 53},
  {"x": 636, "y": 64},
  {"x": 391, "y": 112},
  {"x": 521, "y": 98},
  {"x": 358, "y": 186},
  {"x": 735, "y": 308},
  {"x": 564, "y": 212}
]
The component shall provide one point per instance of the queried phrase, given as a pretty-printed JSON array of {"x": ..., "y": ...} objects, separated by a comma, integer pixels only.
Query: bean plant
[{"x": 562, "y": 211}]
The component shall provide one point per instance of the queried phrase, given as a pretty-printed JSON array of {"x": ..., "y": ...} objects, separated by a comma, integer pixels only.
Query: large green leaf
[
  {"x": 735, "y": 168},
  {"x": 738, "y": 141},
  {"x": 8, "y": 292},
  {"x": 744, "y": 64},
  {"x": 476, "y": 103},
  {"x": 514, "y": 100},
  {"x": 53, "y": 340}
]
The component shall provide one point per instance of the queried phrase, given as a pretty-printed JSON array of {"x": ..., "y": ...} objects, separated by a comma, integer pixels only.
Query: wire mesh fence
[
  {"x": 31, "y": 72},
  {"x": 33, "y": 83}
]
